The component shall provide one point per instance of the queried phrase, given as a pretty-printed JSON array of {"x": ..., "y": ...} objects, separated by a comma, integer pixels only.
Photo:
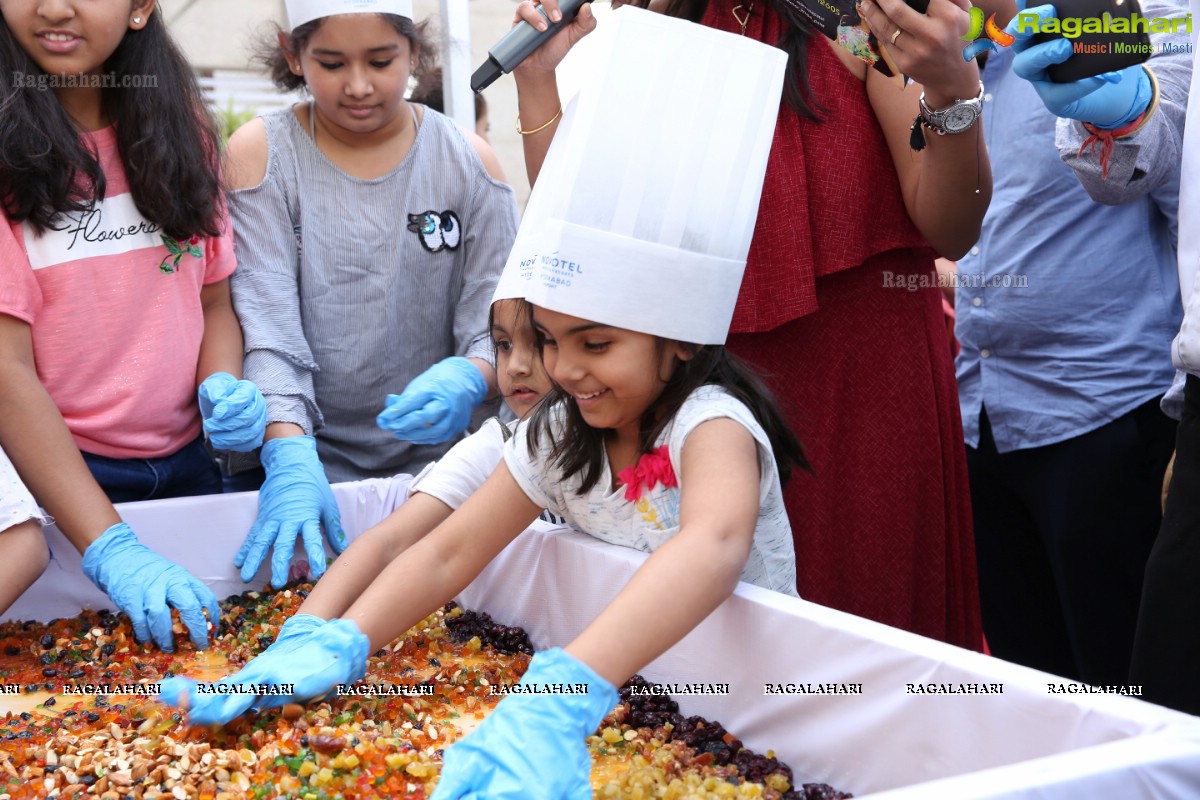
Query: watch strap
[{"x": 932, "y": 118}]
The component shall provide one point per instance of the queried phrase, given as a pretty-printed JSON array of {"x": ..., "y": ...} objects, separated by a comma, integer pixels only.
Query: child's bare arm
[
  {"x": 36, "y": 439},
  {"x": 23, "y": 558},
  {"x": 221, "y": 347},
  {"x": 435, "y": 569},
  {"x": 355, "y": 569},
  {"x": 693, "y": 573}
]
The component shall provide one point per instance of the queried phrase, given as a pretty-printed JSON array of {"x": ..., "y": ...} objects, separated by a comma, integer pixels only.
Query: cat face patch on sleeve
[{"x": 437, "y": 230}]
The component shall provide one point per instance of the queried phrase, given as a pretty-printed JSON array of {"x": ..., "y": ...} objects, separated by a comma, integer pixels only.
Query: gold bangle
[
  {"x": 539, "y": 128},
  {"x": 1149, "y": 112}
]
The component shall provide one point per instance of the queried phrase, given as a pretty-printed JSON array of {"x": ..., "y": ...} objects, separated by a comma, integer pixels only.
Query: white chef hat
[
  {"x": 302, "y": 11},
  {"x": 644, "y": 208}
]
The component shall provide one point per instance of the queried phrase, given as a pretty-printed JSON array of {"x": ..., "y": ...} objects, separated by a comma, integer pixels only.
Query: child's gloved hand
[
  {"x": 234, "y": 412},
  {"x": 314, "y": 661},
  {"x": 295, "y": 628},
  {"x": 295, "y": 500},
  {"x": 436, "y": 406},
  {"x": 145, "y": 586},
  {"x": 1107, "y": 101},
  {"x": 532, "y": 746},
  {"x": 293, "y": 633}
]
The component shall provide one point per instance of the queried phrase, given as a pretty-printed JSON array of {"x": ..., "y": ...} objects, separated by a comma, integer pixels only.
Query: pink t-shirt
[{"x": 115, "y": 317}]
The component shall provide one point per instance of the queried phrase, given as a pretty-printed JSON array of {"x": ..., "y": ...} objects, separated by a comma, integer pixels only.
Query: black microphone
[{"x": 517, "y": 44}]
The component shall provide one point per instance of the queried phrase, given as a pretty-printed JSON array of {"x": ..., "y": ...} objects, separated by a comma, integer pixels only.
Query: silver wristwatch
[{"x": 954, "y": 118}]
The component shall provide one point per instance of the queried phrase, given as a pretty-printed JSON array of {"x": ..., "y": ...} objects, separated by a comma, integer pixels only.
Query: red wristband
[{"x": 1104, "y": 138}]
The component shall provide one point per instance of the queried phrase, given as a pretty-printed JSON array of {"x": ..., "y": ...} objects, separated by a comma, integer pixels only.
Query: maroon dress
[{"x": 860, "y": 365}]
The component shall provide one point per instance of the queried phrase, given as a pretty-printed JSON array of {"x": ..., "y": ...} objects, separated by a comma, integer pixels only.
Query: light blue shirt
[{"x": 1065, "y": 308}]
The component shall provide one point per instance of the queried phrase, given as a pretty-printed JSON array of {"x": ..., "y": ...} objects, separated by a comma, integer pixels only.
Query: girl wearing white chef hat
[
  {"x": 655, "y": 438},
  {"x": 370, "y": 234}
]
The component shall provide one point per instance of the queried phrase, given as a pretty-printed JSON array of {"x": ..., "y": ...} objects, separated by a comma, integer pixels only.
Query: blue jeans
[{"x": 190, "y": 471}]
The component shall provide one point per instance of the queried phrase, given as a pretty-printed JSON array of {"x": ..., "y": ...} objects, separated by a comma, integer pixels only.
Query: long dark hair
[
  {"x": 797, "y": 89},
  {"x": 272, "y": 56},
  {"x": 166, "y": 137},
  {"x": 579, "y": 449}
]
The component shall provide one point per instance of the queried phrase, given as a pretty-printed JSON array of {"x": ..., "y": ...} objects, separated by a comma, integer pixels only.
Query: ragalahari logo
[{"x": 992, "y": 35}]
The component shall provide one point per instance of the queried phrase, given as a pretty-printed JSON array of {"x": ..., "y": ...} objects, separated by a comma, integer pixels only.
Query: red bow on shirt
[{"x": 650, "y": 470}]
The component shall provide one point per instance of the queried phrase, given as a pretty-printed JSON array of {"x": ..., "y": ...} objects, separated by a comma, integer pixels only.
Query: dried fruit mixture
[{"x": 68, "y": 735}]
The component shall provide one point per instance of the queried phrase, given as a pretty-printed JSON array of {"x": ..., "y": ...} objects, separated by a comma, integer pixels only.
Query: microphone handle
[{"x": 522, "y": 40}]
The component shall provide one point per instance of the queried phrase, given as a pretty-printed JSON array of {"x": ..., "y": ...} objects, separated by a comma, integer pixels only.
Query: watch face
[{"x": 959, "y": 118}]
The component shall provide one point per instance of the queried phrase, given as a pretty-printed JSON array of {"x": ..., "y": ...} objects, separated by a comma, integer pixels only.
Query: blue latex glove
[
  {"x": 295, "y": 628},
  {"x": 313, "y": 660},
  {"x": 295, "y": 500},
  {"x": 532, "y": 746},
  {"x": 1107, "y": 101},
  {"x": 234, "y": 412},
  {"x": 293, "y": 633},
  {"x": 145, "y": 585},
  {"x": 436, "y": 405}
]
